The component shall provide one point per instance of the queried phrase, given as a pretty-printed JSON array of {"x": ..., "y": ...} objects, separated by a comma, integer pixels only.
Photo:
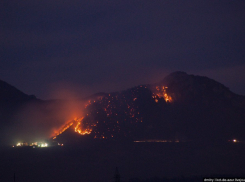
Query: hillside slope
[{"x": 180, "y": 107}]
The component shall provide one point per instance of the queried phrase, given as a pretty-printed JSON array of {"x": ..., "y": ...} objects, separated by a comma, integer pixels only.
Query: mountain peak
[
  {"x": 185, "y": 86},
  {"x": 177, "y": 75},
  {"x": 10, "y": 93}
]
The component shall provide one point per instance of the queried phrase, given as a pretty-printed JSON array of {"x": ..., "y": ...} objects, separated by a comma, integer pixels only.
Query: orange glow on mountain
[
  {"x": 62, "y": 129},
  {"x": 77, "y": 127},
  {"x": 161, "y": 92},
  {"x": 111, "y": 111}
]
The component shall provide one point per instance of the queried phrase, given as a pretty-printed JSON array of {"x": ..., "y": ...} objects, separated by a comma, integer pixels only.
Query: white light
[{"x": 44, "y": 145}]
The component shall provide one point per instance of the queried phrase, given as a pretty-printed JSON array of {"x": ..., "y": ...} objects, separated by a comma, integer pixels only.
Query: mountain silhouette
[
  {"x": 181, "y": 107},
  {"x": 10, "y": 100}
]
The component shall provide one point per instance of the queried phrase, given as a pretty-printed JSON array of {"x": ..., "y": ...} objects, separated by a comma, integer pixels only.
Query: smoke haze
[{"x": 37, "y": 121}]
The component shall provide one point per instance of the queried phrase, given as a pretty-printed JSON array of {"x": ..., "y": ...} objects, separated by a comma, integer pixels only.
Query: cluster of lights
[
  {"x": 61, "y": 144},
  {"x": 34, "y": 145}
]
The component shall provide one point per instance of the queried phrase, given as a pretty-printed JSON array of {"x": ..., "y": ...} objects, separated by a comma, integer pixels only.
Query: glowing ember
[
  {"x": 78, "y": 127},
  {"x": 161, "y": 92}
]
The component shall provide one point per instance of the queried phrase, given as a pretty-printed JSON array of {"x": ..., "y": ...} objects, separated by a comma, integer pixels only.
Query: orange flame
[
  {"x": 63, "y": 129},
  {"x": 161, "y": 92},
  {"x": 77, "y": 123},
  {"x": 78, "y": 128}
]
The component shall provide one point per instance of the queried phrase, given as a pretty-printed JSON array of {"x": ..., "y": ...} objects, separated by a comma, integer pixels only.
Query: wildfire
[
  {"x": 112, "y": 111},
  {"x": 63, "y": 129},
  {"x": 78, "y": 128},
  {"x": 161, "y": 92}
]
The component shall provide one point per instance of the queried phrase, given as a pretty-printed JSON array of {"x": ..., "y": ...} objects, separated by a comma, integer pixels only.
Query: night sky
[{"x": 83, "y": 47}]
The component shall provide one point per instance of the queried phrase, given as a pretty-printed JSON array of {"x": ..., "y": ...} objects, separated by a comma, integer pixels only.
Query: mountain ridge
[
  {"x": 11, "y": 93},
  {"x": 179, "y": 107}
]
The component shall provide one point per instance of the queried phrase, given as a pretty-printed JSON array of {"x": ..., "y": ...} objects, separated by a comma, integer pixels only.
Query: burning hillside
[
  {"x": 115, "y": 114},
  {"x": 180, "y": 107}
]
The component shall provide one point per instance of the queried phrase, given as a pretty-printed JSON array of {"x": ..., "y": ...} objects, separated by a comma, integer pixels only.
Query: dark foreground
[{"x": 96, "y": 162}]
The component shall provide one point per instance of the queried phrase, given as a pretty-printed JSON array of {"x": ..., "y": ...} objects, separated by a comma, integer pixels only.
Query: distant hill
[
  {"x": 8, "y": 93},
  {"x": 208, "y": 108},
  {"x": 180, "y": 107},
  {"x": 11, "y": 99},
  {"x": 196, "y": 89}
]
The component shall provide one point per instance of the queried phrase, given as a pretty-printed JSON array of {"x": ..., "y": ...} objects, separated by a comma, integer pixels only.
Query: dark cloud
[{"x": 111, "y": 45}]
